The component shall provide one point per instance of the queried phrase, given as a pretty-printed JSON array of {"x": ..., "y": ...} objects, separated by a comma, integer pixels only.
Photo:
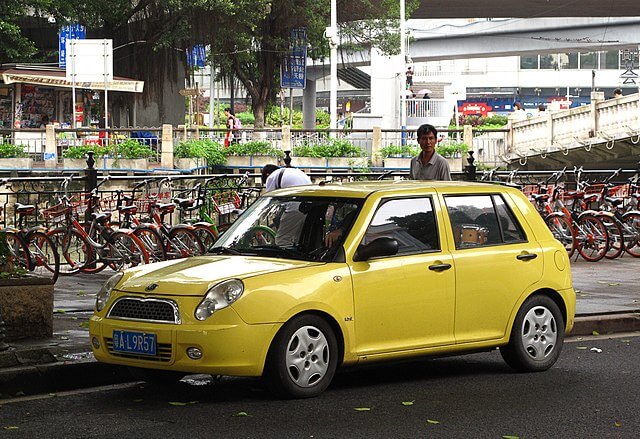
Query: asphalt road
[{"x": 591, "y": 392}]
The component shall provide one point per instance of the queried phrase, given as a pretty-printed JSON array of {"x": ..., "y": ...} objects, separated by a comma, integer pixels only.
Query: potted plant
[
  {"x": 26, "y": 301},
  {"x": 14, "y": 156},
  {"x": 398, "y": 156},
  {"x": 75, "y": 157},
  {"x": 193, "y": 154},
  {"x": 336, "y": 153},
  {"x": 129, "y": 154},
  {"x": 453, "y": 152},
  {"x": 255, "y": 153}
]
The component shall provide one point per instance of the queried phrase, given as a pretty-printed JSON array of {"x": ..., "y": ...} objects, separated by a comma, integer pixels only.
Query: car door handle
[
  {"x": 439, "y": 267},
  {"x": 526, "y": 256}
]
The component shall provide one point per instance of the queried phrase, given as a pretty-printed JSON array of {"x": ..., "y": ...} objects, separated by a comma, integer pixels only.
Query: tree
[
  {"x": 15, "y": 46},
  {"x": 249, "y": 38}
]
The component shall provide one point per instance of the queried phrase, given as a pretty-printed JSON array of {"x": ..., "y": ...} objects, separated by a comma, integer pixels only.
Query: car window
[
  {"x": 479, "y": 220},
  {"x": 410, "y": 221}
]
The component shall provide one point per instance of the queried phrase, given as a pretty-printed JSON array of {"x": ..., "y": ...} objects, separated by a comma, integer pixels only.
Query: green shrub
[
  {"x": 247, "y": 118},
  {"x": 399, "y": 151},
  {"x": 452, "y": 150},
  {"x": 332, "y": 148},
  {"x": 9, "y": 150},
  {"x": 254, "y": 147},
  {"x": 131, "y": 149},
  {"x": 203, "y": 148},
  {"x": 80, "y": 151}
]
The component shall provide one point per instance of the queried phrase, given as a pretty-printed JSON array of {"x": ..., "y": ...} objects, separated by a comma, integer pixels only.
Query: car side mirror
[{"x": 378, "y": 247}]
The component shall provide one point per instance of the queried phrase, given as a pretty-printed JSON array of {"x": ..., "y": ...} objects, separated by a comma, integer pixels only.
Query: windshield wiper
[
  {"x": 281, "y": 251},
  {"x": 223, "y": 250}
]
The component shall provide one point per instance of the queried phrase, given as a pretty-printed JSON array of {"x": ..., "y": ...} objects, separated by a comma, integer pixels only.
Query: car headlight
[
  {"x": 103, "y": 294},
  {"x": 218, "y": 297}
]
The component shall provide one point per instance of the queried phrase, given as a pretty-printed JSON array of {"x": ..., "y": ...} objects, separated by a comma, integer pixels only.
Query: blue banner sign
[
  {"x": 196, "y": 56},
  {"x": 70, "y": 32},
  {"x": 293, "y": 71}
]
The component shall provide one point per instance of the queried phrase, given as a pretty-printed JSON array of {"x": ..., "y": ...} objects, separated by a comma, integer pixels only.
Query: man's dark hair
[
  {"x": 426, "y": 128},
  {"x": 617, "y": 91},
  {"x": 267, "y": 170}
]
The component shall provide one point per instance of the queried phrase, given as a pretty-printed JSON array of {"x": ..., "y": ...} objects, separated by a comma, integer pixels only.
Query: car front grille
[
  {"x": 163, "y": 353},
  {"x": 145, "y": 310}
]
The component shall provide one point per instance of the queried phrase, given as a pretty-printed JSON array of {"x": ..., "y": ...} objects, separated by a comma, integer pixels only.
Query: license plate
[{"x": 134, "y": 342}]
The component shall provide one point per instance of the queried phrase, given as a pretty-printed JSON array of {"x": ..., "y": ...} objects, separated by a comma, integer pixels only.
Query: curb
[
  {"x": 606, "y": 323},
  {"x": 60, "y": 376}
]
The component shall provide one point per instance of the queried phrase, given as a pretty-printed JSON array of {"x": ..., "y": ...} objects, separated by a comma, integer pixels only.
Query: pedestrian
[
  {"x": 518, "y": 113},
  {"x": 429, "y": 165},
  {"x": 291, "y": 220},
  {"x": 409, "y": 75},
  {"x": 230, "y": 125},
  {"x": 617, "y": 93},
  {"x": 541, "y": 109}
]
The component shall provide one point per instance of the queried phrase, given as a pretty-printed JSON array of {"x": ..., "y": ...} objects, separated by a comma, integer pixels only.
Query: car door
[
  {"x": 495, "y": 263},
  {"x": 404, "y": 301}
]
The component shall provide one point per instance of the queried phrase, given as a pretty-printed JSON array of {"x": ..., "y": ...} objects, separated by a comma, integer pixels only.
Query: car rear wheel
[
  {"x": 302, "y": 359},
  {"x": 536, "y": 337}
]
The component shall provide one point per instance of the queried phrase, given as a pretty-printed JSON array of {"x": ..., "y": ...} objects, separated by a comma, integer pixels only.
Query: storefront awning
[{"x": 58, "y": 79}]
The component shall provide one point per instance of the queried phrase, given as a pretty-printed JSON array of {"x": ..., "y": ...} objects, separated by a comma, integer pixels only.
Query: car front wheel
[
  {"x": 536, "y": 337},
  {"x": 302, "y": 359}
]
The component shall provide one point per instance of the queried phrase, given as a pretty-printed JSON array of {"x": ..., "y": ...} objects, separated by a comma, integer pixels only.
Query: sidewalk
[{"x": 608, "y": 301}]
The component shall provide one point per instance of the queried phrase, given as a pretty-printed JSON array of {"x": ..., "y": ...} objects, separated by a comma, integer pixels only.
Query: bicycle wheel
[
  {"x": 152, "y": 242},
  {"x": 206, "y": 235},
  {"x": 182, "y": 243},
  {"x": 125, "y": 250},
  {"x": 563, "y": 231},
  {"x": 99, "y": 261},
  {"x": 259, "y": 235},
  {"x": 593, "y": 240},
  {"x": 631, "y": 229},
  {"x": 75, "y": 251},
  {"x": 18, "y": 254},
  {"x": 616, "y": 237},
  {"x": 45, "y": 260}
]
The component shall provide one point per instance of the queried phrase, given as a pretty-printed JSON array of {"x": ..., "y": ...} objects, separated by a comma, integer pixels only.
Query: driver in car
[{"x": 291, "y": 220}]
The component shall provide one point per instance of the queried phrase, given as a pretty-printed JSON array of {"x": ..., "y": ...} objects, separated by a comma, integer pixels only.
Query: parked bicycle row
[
  {"x": 121, "y": 229},
  {"x": 597, "y": 220}
]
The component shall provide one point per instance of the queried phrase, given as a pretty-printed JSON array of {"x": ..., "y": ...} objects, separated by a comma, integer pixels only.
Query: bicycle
[
  {"x": 31, "y": 249},
  {"x": 92, "y": 249}
]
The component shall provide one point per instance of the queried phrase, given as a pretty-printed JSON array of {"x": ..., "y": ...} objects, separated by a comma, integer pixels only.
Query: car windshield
[{"x": 303, "y": 228}]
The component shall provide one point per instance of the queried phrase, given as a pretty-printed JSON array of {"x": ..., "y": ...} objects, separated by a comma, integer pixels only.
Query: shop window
[
  {"x": 588, "y": 60},
  {"x": 549, "y": 61},
  {"x": 568, "y": 60},
  {"x": 529, "y": 62},
  {"x": 609, "y": 60}
]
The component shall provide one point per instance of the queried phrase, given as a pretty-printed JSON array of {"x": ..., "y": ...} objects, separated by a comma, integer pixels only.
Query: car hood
[{"x": 194, "y": 276}]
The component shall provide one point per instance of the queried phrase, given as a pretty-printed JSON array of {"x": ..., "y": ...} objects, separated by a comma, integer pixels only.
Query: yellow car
[{"x": 315, "y": 277}]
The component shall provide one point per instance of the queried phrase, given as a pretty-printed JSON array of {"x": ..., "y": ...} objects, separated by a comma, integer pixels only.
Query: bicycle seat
[
  {"x": 166, "y": 207},
  {"x": 614, "y": 201},
  {"x": 540, "y": 197},
  {"x": 102, "y": 217},
  {"x": 184, "y": 203},
  {"x": 129, "y": 210},
  {"x": 25, "y": 209}
]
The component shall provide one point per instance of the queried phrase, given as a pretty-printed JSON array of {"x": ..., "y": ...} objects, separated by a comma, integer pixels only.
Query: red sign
[{"x": 475, "y": 108}]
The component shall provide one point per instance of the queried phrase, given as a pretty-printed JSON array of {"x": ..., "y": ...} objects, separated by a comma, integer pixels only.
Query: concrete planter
[
  {"x": 189, "y": 163},
  {"x": 397, "y": 162},
  {"x": 308, "y": 162},
  {"x": 455, "y": 165},
  {"x": 347, "y": 162},
  {"x": 253, "y": 161},
  {"x": 106, "y": 163},
  {"x": 26, "y": 306},
  {"x": 17, "y": 163}
]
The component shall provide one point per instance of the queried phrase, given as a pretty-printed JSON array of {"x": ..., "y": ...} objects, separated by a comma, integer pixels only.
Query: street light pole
[
  {"x": 403, "y": 73},
  {"x": 332, "y": 34}
]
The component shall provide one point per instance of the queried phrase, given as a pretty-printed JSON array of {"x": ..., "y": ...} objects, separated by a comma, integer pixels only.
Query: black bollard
[
  {"x": 287, "y": 159},
  {"x": 470, "y": 169}
]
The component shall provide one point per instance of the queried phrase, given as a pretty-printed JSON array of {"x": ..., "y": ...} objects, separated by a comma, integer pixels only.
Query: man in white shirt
[{"x": 292, "y": 220}]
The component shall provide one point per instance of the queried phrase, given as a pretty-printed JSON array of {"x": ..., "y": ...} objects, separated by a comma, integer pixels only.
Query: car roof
[{"x": 362, "y": 189}]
